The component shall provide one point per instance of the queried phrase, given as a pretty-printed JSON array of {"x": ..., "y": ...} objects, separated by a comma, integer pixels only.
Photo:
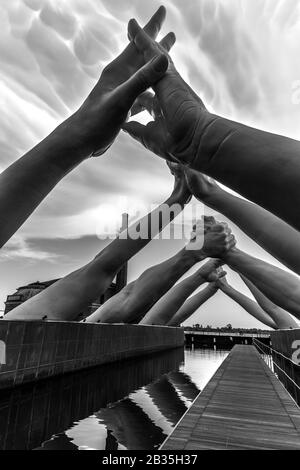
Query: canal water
[{"x": 133, "y": 404}]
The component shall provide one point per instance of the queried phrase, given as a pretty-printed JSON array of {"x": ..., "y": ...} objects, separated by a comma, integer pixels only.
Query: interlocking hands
[
  {"x": 211, "y": 271},
  {"x": 213, "y": 238},
  {"x": 177, "y": 111}
]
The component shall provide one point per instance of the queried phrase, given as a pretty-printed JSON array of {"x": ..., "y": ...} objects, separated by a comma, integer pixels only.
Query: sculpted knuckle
[
  {"x": 142, "y": 79},
  {"x": 108, "y": 69}
]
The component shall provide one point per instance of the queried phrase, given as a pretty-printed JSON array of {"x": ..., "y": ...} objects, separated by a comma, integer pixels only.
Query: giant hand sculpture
[{"x": 255, "y": 163}]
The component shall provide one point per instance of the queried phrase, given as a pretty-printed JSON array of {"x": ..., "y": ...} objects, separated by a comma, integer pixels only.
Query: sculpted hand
[
  {"x": 216, "y": 239},
  {"x": 98, "y": 121},
  {"x": 211, "y": 271},
  {"x": 177, "y": 110},
  {"x": 216, "y": 275},
  {"x": 181, "y": 191},
  {"x": 213, "y": 286},
  {"x": 222, "y": 283},
  {"x": 201, "y": 186}
]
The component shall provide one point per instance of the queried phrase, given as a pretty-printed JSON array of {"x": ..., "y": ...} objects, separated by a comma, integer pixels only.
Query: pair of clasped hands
[{"x": 121, "y": 91}]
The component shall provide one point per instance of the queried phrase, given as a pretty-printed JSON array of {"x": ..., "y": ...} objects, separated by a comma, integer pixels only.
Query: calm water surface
[{"x": 133, "y": 404}]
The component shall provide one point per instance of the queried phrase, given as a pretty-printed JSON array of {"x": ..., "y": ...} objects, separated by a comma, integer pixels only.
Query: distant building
[{"x": 24, "y": 293}]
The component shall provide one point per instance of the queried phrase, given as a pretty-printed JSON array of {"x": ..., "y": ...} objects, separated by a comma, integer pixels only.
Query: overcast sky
[{"x": 242, "y": 57}]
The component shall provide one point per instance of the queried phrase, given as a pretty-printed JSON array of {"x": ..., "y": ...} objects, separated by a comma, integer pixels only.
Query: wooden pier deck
[{"x": 244, "y": 406}]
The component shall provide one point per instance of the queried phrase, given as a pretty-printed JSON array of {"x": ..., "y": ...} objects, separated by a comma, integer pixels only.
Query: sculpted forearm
[
  {"x": 250, "y": 306},
  {"x": 115, "y": 309},
  {"x": 191, "y": 305},
  {"x": 25, "y": 183},
  {"x": 90, "y": 131},
  {"x": 279, "y": 286},
  {"x": 65, "y": 299},
  {"x": 260, "y": 225},
  {"x": 237, "y": 155},
  {"x": 129, "y": 242},
  {"x": 282, "y": 318},
  {"x": 167, "y": 306},
  {"x": 155, "y": 282},
  {"x": 232, "y": 153},
  {"x": 159, "y": 279},
  {"x": 134, "y": 301}
]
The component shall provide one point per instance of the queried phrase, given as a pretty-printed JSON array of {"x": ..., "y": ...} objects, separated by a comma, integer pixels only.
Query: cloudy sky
[{"x": 241, "y": 56}]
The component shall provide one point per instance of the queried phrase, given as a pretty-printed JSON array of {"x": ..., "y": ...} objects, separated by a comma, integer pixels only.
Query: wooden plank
[{"x": 244, "y": 406}]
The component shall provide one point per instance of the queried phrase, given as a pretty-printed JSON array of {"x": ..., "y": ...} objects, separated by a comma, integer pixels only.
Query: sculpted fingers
[
  {"x": 142, "y": 41},
  {"x": 231, "y": 242},
  {"x": 155, "y": 23},
  {"x": 145, "y": 77},
  {"x": 146, "y": 135},
  {"x": 221, "y": 273},
  {"x": 142, "y": 103},
  {"x": 208, "y": 222},
  {"x": 218, "y": 264},
  {"x": 168, "y": 41},
  {"x": 153, "y": 27},
  {"x": 147, "y": 101}
]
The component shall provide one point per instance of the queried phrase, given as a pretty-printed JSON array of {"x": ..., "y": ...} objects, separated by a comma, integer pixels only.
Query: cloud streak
[{"x": 19, "y": 248}]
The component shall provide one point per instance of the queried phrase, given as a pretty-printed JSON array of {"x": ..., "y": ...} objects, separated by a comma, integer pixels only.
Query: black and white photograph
[{"x": 149, "y": 228}]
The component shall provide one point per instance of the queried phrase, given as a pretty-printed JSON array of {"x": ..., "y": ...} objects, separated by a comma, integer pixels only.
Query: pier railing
[{"x": 287, "y": 371}]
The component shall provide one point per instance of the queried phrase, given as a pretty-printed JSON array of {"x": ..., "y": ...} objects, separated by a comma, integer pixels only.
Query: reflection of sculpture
[
  {"x": 59, "y": 442},
  {"x": 184, "y": 384},
  {"x": 130, "y": 425},
  {"x": 166, "y": 399},
  {"x": 111, "y": 441}
]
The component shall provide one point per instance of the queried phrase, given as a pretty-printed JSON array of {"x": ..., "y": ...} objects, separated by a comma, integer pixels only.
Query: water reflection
[
  {"x": 131, "y": 426},
  {"x": 167, "y": 400},
  {"x": 184, "y": 385},
  {"x": 127, "y": 405}
]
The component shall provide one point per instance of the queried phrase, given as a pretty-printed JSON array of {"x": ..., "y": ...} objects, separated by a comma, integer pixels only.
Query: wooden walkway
[{"x": 244, "y": 406}]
